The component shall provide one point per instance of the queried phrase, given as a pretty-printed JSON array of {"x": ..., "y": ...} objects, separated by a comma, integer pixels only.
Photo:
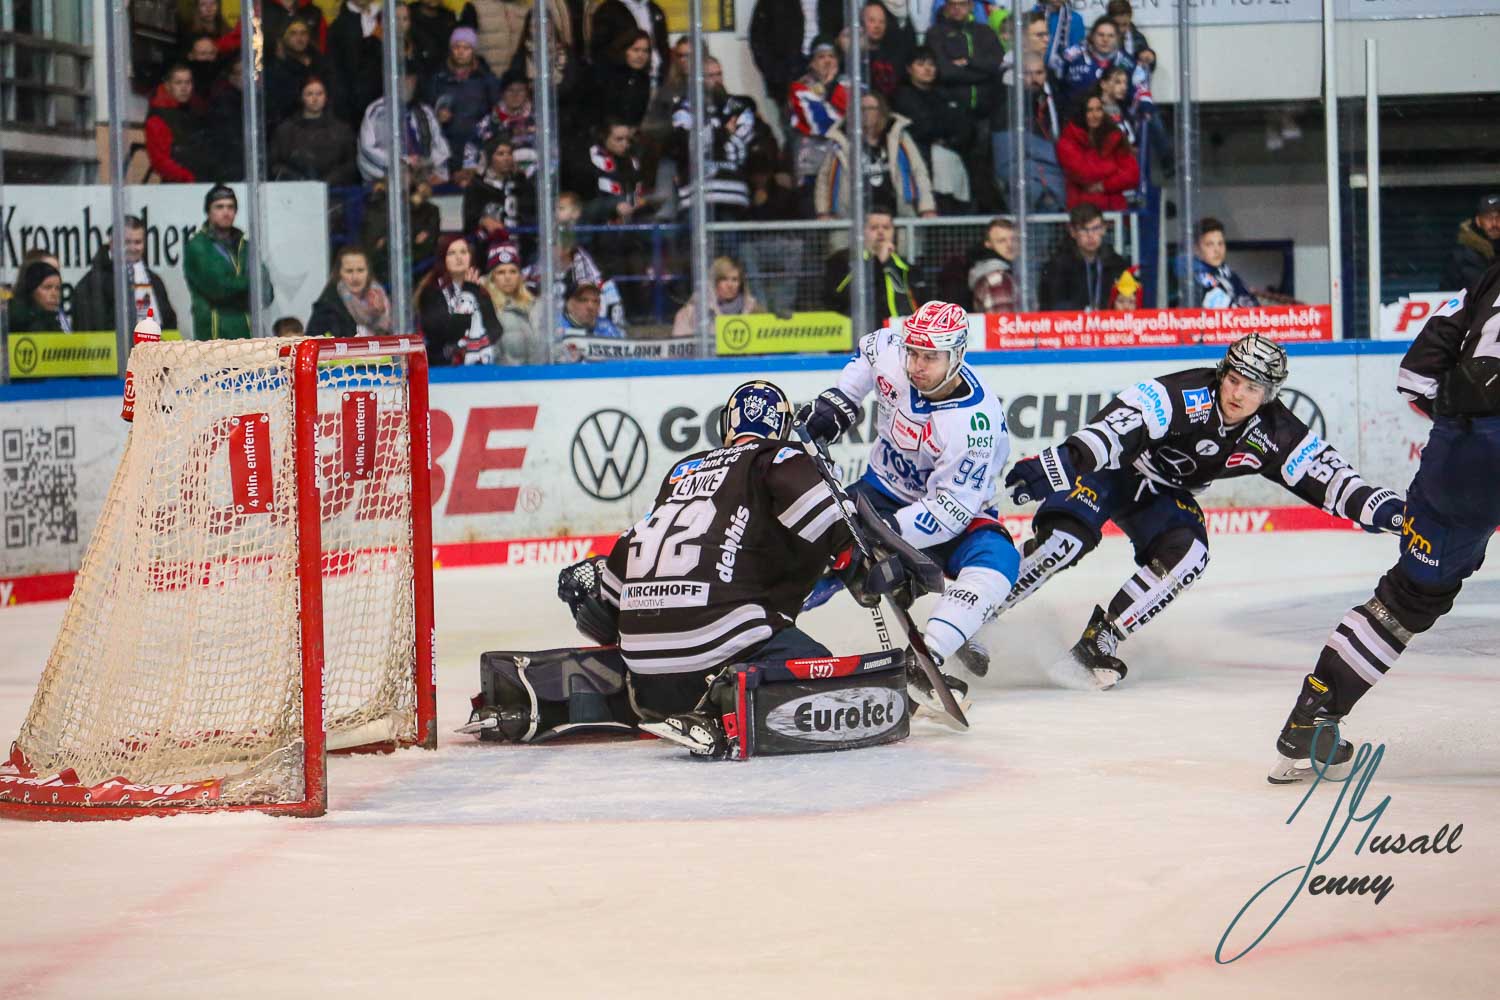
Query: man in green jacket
[{"x": 214, "y": 263}]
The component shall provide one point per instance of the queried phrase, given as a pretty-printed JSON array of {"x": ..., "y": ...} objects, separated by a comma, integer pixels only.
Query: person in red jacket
[
  {"x": 1097, "y": 160},
  {"x": 175, "y": 128}
]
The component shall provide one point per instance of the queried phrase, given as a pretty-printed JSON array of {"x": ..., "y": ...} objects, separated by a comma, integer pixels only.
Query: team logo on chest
[
  {"x": 1206, "y": 448},
  {"x": 1197, "y": 404},
  {"x": 886, "y": 389}
]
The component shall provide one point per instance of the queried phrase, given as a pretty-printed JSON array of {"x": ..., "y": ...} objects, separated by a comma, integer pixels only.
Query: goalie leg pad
[
  {"x": 537, "y": 696},
  {"x": 813, "y": 705}
]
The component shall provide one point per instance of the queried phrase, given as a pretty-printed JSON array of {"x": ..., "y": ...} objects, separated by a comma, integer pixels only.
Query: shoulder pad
[{"x": 1155, "y": 403}]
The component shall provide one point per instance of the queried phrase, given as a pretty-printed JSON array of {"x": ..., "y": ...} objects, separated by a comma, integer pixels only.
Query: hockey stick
[{"x": 920, "y": 651}]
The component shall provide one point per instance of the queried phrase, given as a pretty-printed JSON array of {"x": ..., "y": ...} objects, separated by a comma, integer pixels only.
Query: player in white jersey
[{"x": 933, "y": 470}]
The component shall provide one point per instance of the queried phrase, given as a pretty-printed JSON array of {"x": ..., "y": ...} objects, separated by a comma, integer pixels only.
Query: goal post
[{"x": 257, "y": 593}]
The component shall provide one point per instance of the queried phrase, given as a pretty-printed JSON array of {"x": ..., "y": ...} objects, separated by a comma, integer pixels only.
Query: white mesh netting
[{"x": 180, "y": 653}]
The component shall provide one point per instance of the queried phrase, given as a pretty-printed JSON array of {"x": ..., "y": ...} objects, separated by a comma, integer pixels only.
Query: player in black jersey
[
  {"x": 1139, "y": 461},
  {"x": 717, "y": 571},
  {"x": 1451, "y": 372}
]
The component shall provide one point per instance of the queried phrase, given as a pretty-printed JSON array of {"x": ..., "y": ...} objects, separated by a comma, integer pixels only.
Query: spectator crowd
[{"x": 935, "y": 111}]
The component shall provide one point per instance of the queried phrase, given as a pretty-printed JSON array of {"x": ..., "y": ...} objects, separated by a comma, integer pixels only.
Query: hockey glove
[
  {"x": 1389, "y": 514},
  {"x": 829, "y": 416},
  {"x": 1041, "y": 475}
]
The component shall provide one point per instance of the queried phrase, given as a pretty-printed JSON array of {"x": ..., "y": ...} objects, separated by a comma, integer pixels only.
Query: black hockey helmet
[
  {"x": 758, "y": 408},
  {"x": 1259, "y": 359}
]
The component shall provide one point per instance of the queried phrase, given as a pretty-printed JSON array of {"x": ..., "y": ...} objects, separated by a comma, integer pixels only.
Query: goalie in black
[
  {"x": 713, "y": 575},
  {"x": 1139, "y": 461}
]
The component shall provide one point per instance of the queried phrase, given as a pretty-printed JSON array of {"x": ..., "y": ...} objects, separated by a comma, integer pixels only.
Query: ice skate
[
  {"x": 1295, "y": 744},
  {"x": 974, "y": 657},
  {"x": 924, "y": 700},
  {"x": 698, "y": 733},
  {"x": 1091, "y": 665}
]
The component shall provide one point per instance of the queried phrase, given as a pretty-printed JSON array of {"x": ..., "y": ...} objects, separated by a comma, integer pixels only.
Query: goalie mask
[
  {"x": 938, "y": 326},
  {"x": 1259, "y": 359},
  {"x": 759, "y": 409}
]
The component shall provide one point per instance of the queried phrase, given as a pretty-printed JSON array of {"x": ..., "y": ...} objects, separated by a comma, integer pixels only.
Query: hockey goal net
[{"x": 258, "y": 590}]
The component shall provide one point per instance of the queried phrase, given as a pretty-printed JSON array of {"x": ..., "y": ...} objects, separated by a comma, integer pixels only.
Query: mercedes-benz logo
[
  {"x": 609, "y": 454},
  {"x": 1304, "y": 409}
]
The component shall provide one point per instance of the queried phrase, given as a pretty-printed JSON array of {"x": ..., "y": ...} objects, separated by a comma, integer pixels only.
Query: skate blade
[
  {"x": 932, "y": 708},
  {"x": 1069, "y": 673},
  {"x": 1291, "y": 770},
  {"x": 671, "y": 735}
]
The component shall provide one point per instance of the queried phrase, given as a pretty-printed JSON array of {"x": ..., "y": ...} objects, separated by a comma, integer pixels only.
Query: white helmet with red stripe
[{"x": 938, "y": 326}]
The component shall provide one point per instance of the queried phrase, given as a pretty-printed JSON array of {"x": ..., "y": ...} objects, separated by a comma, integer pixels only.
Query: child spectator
[
  {"x": 1114, "y": 92},
  {"x": 992, "y": 282},
  {"x": 313, "y": 145},
  {"x": 287, "y": 326},
  {"x": 1096, "y": 158},
  {"x": 1084, "y": 270},
  {"x": 1215, "y": 285},
  {"x": 461, "y": 94},
  {"x": 731, "y": 298},
  {"x": 177, "y": 129},
  {"x": 456, "y": 314},
  {"x": 353, "y": 303},
  {"x": 1126, "y": 295},
  {"x": 423, "y": 144},
  {"x": 893, "y": 167}
]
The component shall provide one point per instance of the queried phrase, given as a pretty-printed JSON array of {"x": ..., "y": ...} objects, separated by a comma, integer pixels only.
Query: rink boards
[{"x": 545, "y": 464}]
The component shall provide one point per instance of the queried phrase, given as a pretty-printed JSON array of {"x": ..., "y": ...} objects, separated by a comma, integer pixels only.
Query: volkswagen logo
[
  {"x": 1305, "y": 410},
  {"x": 609, "y": 454}
]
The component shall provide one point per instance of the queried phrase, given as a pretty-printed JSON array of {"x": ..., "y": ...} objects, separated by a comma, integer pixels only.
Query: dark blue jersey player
[
  {"x": 1451, "y": 373},
  {"x": 1140, "y": 461}
]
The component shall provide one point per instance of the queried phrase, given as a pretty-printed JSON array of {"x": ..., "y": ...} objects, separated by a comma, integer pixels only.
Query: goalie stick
[{"x": 931, "y": 576}]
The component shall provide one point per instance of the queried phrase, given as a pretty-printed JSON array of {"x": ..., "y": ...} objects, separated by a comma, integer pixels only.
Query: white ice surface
[{"x": 1072, "y": 844}]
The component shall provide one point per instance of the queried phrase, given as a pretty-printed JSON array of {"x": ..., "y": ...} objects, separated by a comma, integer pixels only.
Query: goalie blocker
[{"x": 782, "y": 707}]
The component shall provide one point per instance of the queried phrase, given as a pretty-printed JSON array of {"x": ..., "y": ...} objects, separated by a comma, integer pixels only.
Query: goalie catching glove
[{"x": 1035, "y": 478}]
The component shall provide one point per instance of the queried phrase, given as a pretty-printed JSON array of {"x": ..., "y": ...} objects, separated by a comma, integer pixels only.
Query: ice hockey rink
[{"x": 1070, "y": 845}]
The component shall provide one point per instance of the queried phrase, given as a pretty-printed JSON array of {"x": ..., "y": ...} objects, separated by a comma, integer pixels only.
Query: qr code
[{"x": 39, "y": 501}]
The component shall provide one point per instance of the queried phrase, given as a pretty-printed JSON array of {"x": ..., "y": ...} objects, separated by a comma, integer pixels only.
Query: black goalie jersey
[
  {"x": 1170, "y": 431},
  {"x": 736, "y": 539}
]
